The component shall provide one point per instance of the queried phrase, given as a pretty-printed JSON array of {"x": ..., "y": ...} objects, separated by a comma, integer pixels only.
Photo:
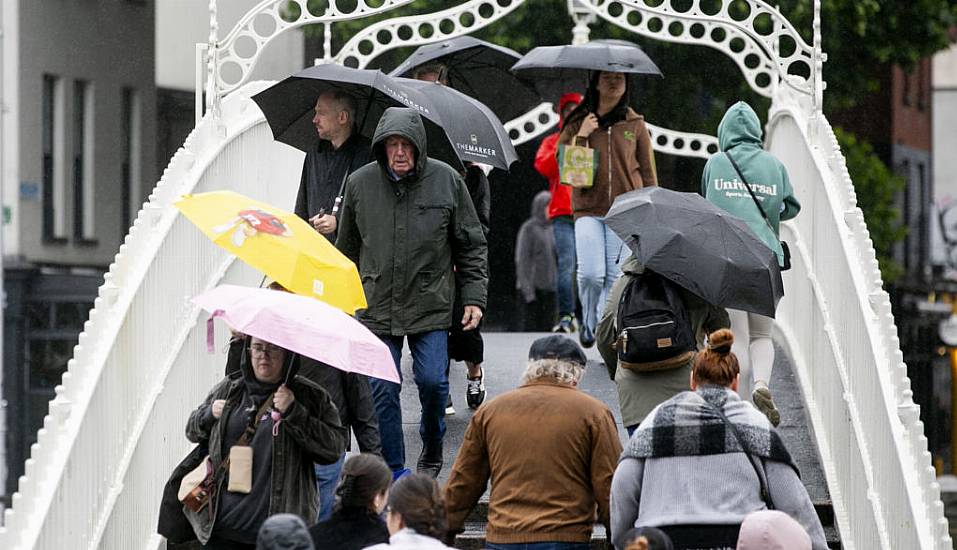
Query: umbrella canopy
[
  {"x": 557, "y": 69},
  {"x": 474, "y": 130},
  {"x": 289, "y": 108},
  {"x": 470, "y": 66},
  {"x": 279, "y": 244},
  {"x": 302, "y": 325},
  {"x": 699, "y": 246}
]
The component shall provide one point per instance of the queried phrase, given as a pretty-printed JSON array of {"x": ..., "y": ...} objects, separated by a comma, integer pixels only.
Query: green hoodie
[
  {"x": 405, "y": 235},
  {"x": 739, "y": 135}
]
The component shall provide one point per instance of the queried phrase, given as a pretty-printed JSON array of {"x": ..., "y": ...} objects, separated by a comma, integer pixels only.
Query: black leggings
[{"x": 703, "y": 537}]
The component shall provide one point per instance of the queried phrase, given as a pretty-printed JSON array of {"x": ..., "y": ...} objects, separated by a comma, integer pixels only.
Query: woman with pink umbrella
[{"x": 264, "y": 431}]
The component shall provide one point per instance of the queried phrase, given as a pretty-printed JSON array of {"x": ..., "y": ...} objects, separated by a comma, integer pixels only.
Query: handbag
[
  {"x": 758, "y": 469},
  {"x": 196, "y": 487},
  {"x": 786, "y": 252},
  {"x": 577, "y": 166}
]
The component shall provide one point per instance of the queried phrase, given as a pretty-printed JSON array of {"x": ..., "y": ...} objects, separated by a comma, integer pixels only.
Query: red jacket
[{"x": 547, "y": 165}]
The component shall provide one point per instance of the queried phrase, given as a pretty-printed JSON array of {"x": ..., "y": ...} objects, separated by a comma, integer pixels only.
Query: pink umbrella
[{"x": 303, "y": 325}]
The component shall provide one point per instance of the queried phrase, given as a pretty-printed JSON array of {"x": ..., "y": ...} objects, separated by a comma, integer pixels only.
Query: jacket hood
[
  {"x": 571, "y": 97},
  {"x": 256, "y": 388},
  {"x": 739, "y": 125},
  {"x": 772, "y": 530},
  {"x": 284, "y": 532},
  {"x": 401, "y": 121},
  {"x": 539, "y": 205}
]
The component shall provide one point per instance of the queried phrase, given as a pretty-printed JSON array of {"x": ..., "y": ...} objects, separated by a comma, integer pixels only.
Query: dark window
[
  {"x": 83, "y": 199},
  {"x": 908, "y": 215},
  {"x": 923, "y": 217},
  {"x": 130, "y": 167},
  {"x": 53, "y": 196}
]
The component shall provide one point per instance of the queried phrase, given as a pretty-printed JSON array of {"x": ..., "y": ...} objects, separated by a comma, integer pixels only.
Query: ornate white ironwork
[
  {"x": 241, "y": 48},
  {"x": 683, "y": 144},
  {"x": 583, "y": 17},
  {"x": 753, "y": 34},
  {"x": 532, "y": 124},
  {"x": 415, "y": 30}
]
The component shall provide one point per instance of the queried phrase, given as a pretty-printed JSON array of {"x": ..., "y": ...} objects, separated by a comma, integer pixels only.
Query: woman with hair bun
[
  {"x": 360, "y": 498},
  {"x": 416, "y": 516},
  {"x": 705, "y": 459}
]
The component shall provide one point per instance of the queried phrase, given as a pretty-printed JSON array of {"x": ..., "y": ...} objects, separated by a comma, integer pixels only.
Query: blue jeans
[
  {"x": 631, "y": 429},
  {"x": 430, "y": 357},
  {"x": 564, "y": 231},
  {"x": 539, "y": 546},
  {"x": 600, "y": 255},
  {"x": 327, "y": 479}
]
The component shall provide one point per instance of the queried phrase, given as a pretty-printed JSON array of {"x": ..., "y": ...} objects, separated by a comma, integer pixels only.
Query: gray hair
[{"x": 563, "y": 372}]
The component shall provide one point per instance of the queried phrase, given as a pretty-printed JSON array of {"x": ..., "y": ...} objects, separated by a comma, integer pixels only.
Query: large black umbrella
[
  {"x": 479, "y": 69},
  {"x": 288, "y": 106},
  {"x": 475, "y": 132},
  {"x": 556, "y": 69},
  {"x": 699, "y": 246}
]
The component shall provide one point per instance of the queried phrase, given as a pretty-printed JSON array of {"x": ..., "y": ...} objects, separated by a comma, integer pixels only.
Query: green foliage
[{"x": 876, "y": 187}]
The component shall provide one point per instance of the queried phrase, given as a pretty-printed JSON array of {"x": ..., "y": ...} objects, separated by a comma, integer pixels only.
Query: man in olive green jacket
[
  {"x": 406, "y": 219},
  {"x": 640, "y": 392}
]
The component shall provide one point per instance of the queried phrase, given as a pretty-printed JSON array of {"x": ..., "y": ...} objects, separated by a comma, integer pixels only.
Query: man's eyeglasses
[{"x": 268, "y": 350}]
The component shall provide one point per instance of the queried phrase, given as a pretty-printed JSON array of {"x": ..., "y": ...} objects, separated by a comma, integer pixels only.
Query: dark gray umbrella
[
  {"x": 478, "y": 69},
  {"x": 557, "y": 69},
  {"x": 475, "y": 132},
  {"x": 699, "y": 246},
  {"x": 288, "y": 106}
]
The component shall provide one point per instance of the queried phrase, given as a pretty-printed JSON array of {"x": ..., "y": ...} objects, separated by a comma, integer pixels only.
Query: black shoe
[
  {"x": 475, "y": 390},
  {"x": 430, "y": 459},
  {"x": 586, "y": 337}
]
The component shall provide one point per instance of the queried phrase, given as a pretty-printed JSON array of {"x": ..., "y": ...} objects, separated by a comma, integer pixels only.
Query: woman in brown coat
[{"x": 605, "y": 122}]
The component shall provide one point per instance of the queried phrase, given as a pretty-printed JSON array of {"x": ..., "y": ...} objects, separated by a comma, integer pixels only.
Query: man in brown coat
[{"x": 551, "y": 450}]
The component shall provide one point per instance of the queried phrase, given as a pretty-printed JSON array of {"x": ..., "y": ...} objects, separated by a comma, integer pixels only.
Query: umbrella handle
[{"x": 210, "y": 332}]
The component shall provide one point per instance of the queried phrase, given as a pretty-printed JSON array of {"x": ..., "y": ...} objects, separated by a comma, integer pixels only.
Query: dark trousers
[
  {"x": 430, "y": 359},
  {"x": 539, "y": 315}
]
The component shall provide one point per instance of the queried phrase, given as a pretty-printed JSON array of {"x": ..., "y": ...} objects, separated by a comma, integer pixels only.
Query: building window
[
  {"x": 131, "y": 169},
  {"x": 908, "y": 214},
  {"x": 54, "y": 192},
  {"x": 83, "y": 188}
]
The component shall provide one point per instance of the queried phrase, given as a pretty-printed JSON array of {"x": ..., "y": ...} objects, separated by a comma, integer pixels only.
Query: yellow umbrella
[{"x": 279, "y": 244}]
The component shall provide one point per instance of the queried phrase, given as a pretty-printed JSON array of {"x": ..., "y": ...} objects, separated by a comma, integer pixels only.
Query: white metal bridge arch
[{"x": 114, "y": 430}]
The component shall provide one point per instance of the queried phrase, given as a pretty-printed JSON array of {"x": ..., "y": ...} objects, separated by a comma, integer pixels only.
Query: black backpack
[{"x": 654, "y": 332}]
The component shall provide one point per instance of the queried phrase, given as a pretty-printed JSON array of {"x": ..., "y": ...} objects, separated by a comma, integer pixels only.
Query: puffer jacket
[
  {"x": 309, "y": 433},
  {"x": 405, "y": 236},
  {"x": 626, "y": 161}
]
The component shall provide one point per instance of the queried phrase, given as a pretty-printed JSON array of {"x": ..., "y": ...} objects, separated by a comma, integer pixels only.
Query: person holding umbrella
[
  {"x": 264, "y": 431},
  {"x": 406, "y": 220},
  {"x": 605, "y": 122},
  {"x": 338, "y": 152},
  {"x": 753, "y": 185}
]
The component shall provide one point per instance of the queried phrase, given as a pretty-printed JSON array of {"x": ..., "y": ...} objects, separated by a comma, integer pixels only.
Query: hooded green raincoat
[
  {"x": 406, "y": 233},
  {"x": 739, "y": 135}
]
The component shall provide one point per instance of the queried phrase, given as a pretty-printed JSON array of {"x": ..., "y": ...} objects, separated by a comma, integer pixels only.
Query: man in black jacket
[{"x": 339, "y": 151}]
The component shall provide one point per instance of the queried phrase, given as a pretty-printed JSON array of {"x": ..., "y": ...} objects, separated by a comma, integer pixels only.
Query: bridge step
[{"x": 473, "y": 538}]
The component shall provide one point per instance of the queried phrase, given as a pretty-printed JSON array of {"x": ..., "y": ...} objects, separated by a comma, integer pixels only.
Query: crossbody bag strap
[
  {"x": 250, "y": 430},
  {"x": 758, "y": 468},
  {"x": 750, "y": 192},
  {"x": 342, "y": 185}
]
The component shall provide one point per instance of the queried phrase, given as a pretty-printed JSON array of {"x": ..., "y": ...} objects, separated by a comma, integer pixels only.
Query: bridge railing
[
  {"x": 837, "y": 322},
  {"x": 115, "y": 429}
]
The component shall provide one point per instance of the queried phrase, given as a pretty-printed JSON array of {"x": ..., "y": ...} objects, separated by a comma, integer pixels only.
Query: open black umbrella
[
  {"x": 556, "y": 69},
  {"x": 475, "y": 132},
  {"x": 478, "y": 69},
  {"x": 699, "y": 246},
  {"x": 459, "y": 128}
]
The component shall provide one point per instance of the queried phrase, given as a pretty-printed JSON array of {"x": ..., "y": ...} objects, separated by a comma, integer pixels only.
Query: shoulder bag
[
  {"x": 197, "y": 486},
  {"x": 784, "y": 246}
]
